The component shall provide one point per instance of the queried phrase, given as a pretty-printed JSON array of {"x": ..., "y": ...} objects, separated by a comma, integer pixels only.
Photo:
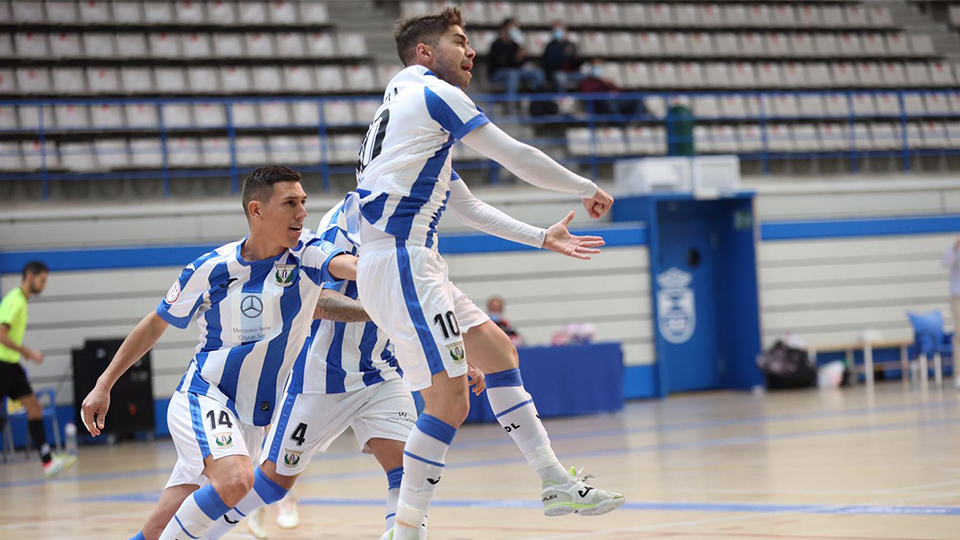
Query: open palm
[{"x": 560, "y": 239}]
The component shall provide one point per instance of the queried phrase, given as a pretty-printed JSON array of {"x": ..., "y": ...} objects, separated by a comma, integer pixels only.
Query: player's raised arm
[
  {"x": 144, "y": 336},
  {"x": 534, "y": 167}
]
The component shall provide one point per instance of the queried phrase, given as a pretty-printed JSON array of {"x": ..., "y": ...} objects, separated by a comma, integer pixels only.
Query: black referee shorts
[{"x": 13, "y": 381}]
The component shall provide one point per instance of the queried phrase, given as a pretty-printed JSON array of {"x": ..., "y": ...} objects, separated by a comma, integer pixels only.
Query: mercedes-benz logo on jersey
[{"x": 251, "y": 306}]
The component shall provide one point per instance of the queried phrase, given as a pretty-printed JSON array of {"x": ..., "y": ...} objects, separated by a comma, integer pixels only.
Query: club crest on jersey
[
  {"x": 291, "y": 458},
  {"x": 223, "y": 440},
  {"x": 457, "y": 352},
  {"x": 174, "y": 293},
  {"x": 285, "y": 274}
]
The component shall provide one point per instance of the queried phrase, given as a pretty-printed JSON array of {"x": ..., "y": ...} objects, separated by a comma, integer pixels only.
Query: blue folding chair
[
  {"x": 929, "y": 342},
  {"x": 49, "y": 412}
]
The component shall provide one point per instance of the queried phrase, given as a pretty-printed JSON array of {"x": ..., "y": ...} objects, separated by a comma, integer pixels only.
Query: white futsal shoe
[
  {"x": 288, "y": 516},
  {"x": 255, "y": 523},
  {"x": 390, "y": 534},
  {"x": 577, "y": 496}
]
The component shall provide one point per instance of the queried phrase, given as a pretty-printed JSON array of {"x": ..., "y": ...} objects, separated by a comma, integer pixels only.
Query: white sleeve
[
  {"x": 530, "y": 164},
  {"x": 473, "y": 212}
]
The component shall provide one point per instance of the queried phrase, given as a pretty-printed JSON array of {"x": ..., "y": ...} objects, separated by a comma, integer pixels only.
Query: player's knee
[
  {"x": 458, "y": 408},
  {"x": 235, "y": 485}
]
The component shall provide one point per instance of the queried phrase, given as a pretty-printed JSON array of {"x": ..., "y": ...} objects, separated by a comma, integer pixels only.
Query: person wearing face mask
[
  {"x": 507, "y": 64},
  {"x": 595, "y": 82},
  {"x": 561, "y": 59}
]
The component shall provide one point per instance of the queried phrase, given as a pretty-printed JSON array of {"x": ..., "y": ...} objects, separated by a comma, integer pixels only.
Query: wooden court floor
[{"x": 843, "y": 465}]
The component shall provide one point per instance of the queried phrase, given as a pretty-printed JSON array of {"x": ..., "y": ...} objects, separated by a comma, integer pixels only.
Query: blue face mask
[
  {"x": 597, "y": 71},
  {"x": 515, "y": 35},
  {"x": 559, "y": 34}
]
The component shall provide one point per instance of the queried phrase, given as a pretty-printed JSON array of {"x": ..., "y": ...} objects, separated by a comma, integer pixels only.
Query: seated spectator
[
  {"x": 508, "y": 62},
  {"x": 594, "y": 82},
  {"x": 495, "y": 311},
  {"x": 561, "y": 59}
]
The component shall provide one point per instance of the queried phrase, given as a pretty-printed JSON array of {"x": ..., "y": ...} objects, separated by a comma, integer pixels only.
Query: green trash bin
[{"x": 680, "y": 124}]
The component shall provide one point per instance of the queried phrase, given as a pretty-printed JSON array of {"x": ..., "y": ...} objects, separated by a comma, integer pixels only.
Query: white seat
[
  {"x": 751, "y": 43},
  {"x": 862, "y": 138},
  {"x": 727, "y": 44},
  {"x": 315, "y": 12},
  {"x": 290, "y": 45},
  {"x": 65, "y": 45},
  {"x": 690, "y": 75},
  {"x": 783, "y": 16},
  {"x": 386, "y": 73},
  {"x": 203, "y": 80},
  {"x": 235, "y": 79},
  {"x": 733, "y": 106},
  {"x": 62, "y": 12},
  {"x": 285, "y": 149},
  {"x": 352, "y": 44},
  {"x": 210, "y": 114},
  {"x": 758, "y": 16},
  {"x": 856, "y": 16},
  {"x": 31, "y": 45},
  {"x": 922, "y": 45},
  {"x": 724, "y": 139},
  {"x": 705, "y": 107},
  {"x": 869, "y": 75},
  {"x": 886, "y": 136},
  {"x": 914, "y": 137},
  {"x": 833, "y": 16},
  {"x": 274, "y": 113},
  {"x": 215, "y": 152},
  {"x": 330, "y": 79},
  {"x": 321, "y": 44},
  {"x": 125, "y": 13},
  {"x": 10, "y": 158},
  {"x": 283, "y": 13},
  {"x": 648, "y": 44},
  {"x": 8, "y": 118},
  {"x": 777, "y": 45},
  {"x": 710, "y": 15},
  {"x": 811, "y": 105},
  {"x": 196, "y": 45},
  {"x": 716, "y": 75},
  {"x": 164, "y": 45},
  {"x": 826, "y": 45},
  {"x": 306, "y": 113},
  {"x": 953, "y": 98},
  {"x": 171, "y": 80},
  {"x": 888, "y": 104},
  {"x": 593, "y": 44},
  {"x": 310, "y": 146},
  {"x": 611, "y": 141},
  {"x": 132, "y": 45},
  {"x": 749, "y": 139},
  {"x": 937, "y": 103},
  {"x": 953, "y": 132},
  {"x": 578, "y": 141},
  {"x": 795, "y": 75},
  {"x": 805, "y": 138},
  {"x": 608, "y": 14},
  {"x": 874, "y": 45},
  {"x": 90, "y": 12},
  {"x": 410, "y": 8},
  {"x": 555, "y": 11},
  {"x": 136, "y": 80},
  {"x": 366, "y": 110},
  {"x": 703, "y": 138},
  {"x": 779, "y": 138},
  {"x": 645, "y": 140},
  {"x": 897, "y": 44},
  {"x": 500, "y": 11},
  {"x": 850, "y": 45},
  {"x": 620, "y": 44},
  {"x": 228, "y": 45},
  {"x": 267, "y": 79},
  {"x": 106, "y": 115},
  {"x": 660, "y": 14},
  {"x": 686, "y": 15},
  {"x": 184, "y": 152},
  {"x": 769, "y": 75},
  {"x": 298, "y": 78},
  {"x": 880, "y": 17},
  {"x": 71, "y": 116},
  {"x": 808, "y": 16},
  {"x": 844, "y": 75},
  {"x": 941, "y": 74},
  {"x": 734, "y": 16},
  {"x": 664, "y": 75},
  {"x": 345, "y": 148},
  {"x": 69, "y": 80},
  {"x": 892, "y": 74},
  {"x": 637, "y": 75},
  {"x": 258, "y": 44},
  {"x": 360, "y": 78},
  {"x": 338, "y": 112},
  {"x": 26, "y": 12},
  {"x": 784, "y": 105},
  {"x": 864, "y": 105},
  {"x": 634, "y": 14},
  {"x": 836, "y": 105},
  {"x": 78, "y": 156},
  {"x": 834, "y": 137},
  {"x": 103, "y": 80},
  {"x": 701, "y": 44},
  {"x": 918, "y": 74},
  {"x": 158, "y": 12},
  {"x": 475, "y": 12},
  {"x": 934, "y": 135},
  {"x": 581, "y": 12},
  {"x": 955, "y": 15},
  {"x": 675, "y": 44},
  {"x": 244, "y": 114},
  {"x": 188, "y": 12},
  {"x": 252, "y": 12},
  {"x": 743, "y": 75},
  {"x": 224, "y": 13},
  {"x": 914, "y": 105},
  {"x": 112, "y": 153},
  {"x": 35, "y": 154},
  {"x": 141, "y": 115},
  {"x": 146, "y": 153}
]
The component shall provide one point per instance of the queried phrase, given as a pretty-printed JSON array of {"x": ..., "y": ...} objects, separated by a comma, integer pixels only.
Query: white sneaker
[
  {"x": 58, "y": 464},
  {"x": 388, "y": 535},
  {"x": 255, "y": 523},
  {"x": 288, "y": 516},
  {"x": 576, "y": 496}
]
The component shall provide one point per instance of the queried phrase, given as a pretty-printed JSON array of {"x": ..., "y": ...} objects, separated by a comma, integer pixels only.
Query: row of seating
[
  {"x": 749, "y": 139},
  {"x": 954, "y": 15},
  {"x": 151, "y": 12},
  {"x": 726, "y": 44},
  {"x": 197, "y": 80},
  {"x": 712, "y": 15},
  {"x": 107, "y": 154},
  {"x": 162, "y": 45}
]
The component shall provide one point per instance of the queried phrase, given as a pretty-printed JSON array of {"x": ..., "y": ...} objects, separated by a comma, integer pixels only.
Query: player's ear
[
  {"x": 253, "y": 209},
  {"x": 424, "y": 51}
]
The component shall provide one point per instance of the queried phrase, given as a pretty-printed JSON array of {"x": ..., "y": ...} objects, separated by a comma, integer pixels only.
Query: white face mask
[
  {"x": 515, "y": 35},
  {"x": 559, "y": 33}
]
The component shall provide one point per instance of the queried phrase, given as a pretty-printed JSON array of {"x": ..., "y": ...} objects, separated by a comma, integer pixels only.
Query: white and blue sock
[
  {"x": 423, "y": 461},
  {"x": 517, "y": 414},
  {"x": 265, "y": 492},
  {"x": 195, "y": 515},
  {"x": 139, "y": 536},
  {"x": 394, "y": 477}
]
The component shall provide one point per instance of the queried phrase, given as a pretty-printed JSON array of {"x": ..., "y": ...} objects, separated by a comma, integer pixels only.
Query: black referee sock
[{"x": 39, "y": 436}]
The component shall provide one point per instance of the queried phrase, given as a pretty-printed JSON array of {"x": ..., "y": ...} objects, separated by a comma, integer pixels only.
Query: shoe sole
[{"x": 599, "y": 509}]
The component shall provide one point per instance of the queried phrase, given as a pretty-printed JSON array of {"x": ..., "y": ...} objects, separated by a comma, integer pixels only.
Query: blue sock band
[
  {"x": 394, "y": 476},
  {"x": 210, "y": 502},
  {"x": 267, "y": 489},
  {"x": 139, "y": 536},
  {"x": 510, "y": 377},
  {"x": 436, "y": 428}
]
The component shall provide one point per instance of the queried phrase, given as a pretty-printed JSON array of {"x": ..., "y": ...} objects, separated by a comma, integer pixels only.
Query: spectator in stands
[
  {"x": 495, "y": 312},
  {"x": 595, "y": 82},
  {"x": 561, "y": 59},
  {"x": 951, "y": 261},
  {"x": 508, "y": 62}
]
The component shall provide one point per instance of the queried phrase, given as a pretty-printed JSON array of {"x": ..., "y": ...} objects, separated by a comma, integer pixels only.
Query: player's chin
[{"x": 293, "y": 236}]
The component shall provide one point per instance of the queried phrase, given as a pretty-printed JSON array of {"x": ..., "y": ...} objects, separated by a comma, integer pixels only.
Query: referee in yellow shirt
[{"x": 13, "y": 378}]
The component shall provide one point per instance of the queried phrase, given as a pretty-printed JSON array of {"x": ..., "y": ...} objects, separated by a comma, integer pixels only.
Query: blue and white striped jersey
[
  {"x": 254, "y": 318},
  {"x": 404, "y": 169},
  {"x": 342, "y": 357}
]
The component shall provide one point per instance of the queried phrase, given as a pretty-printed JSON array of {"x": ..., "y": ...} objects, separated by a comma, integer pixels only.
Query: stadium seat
[
  {"x": 412, "y": 8},
  {"x": 227, "y": 45},
  {"x": 91, "y": 12},
  {"x": 645, "y": 140},
  {"x": 818, "y": 75},
  {"x": 305, "y": 113},
  {"x": 71, "y": 116},
  {"x": 751, "y": 44},
  {"x": 634, "y": 14},
  {"x": 285, "y": 149},
  {"x": 686, "y": 15},
  {"x": 862, "y": 138},
  {"x": 609, "y": 14},
  {"x": 783, "y": 16},
  {"x": 954, "y": 14},
  {"x": 283, "y": 13},
  {"x": 310, "y": 146},
  {"x": 500, "y": 11},
  {"x": 481, "y": 40},
  {"x": 274, "y": 113},
  {"x": 258, "y": 44},
  {"x": 578, "y": 141},
  {"x": 78, "y": 156},
  {"x": 874, "y": 45},
  {"x": 136, "y": 80},
  {"x": 321, "y": 44},
  {"x": 210, "y": 114},
  {"x": 611, "y": 141},
  {"x": 637, "y": 75},
  {"x": 103, "y": 80},
  {"x": 733, "y": 106},
  {"x": 196, "y": 45},
  {"x": 594, "y": 44},
  {"x": 33, "y": 80},
  {"x": 892, "y": 75},
  {"x": 805, "y": 138},
  {"x": 65, "y": 45},
  {"x": 727, "y": 44},
  {"x": 106, "y": 115},
  {"x": 811, "y": 105},
  {"x": 177, "y": 115},
  {"x": 475, "y": 12},
  {"x": 941, "y": 74},
  {"x": 710, "y": 15},
  {"x": 864, "y": 105},
  {"x": 868, "y": 74},
  {"x": 856, "y": 16},
  {"x": 888, "y": 104},
  {"x": 937, "y": 103},
  {"x": 769, "y": 75},
  {"x": 922, "y": 45},
  {"x": 703, "y": 137},
  {"x": 826, "y": 45},
  {"x": 776, "y": 45},
  {"x": 918, "y": 74},
  {"x": 581, "y": 12},
  {"x": 203, "y": 80},
  {"x": 31, "y": 45},
  {"x": 832, "y": 16},
  {"x": 244, "y": 114},
  {"x": 701, "y": 44},
  {"x": 112, "y": 153},
  {"x": 146, "y": 153},
  {"x": 794, "y": 75},
  {"x": 620, "y": 44},
  {"x": 914, "y": 138},
  {"x": 783, "y": 105},
  {"x": 267, "y": 79},
  {"x": 953, "y": 98},
  {"x": 897, "y": 44},
  {"x": 663, "y": 75},
  {"x": 360, "y": 78},
  {"x": 660, "y": 14},
  {"x": 235, "y": 79},
  {"x": 126, "y": 13},
  {"x": 314, "y": 12},
  {"x": 27, "y": 12},
  {"x": 215, "y": 151},
  {"x": 953, "y": 132},
  {"x": 8, "y": 118},
  {"x": 132, "y": 46},
  {"x": 743, "y": 75},
  {"x": 834, "y": 137},
  {"x": 184, "y": 152},
  {"x": 366, "y": 110},
  {"x": 298, "y": 78},
  {"x": 779, "y": 138},
  {"x": 338, "y": 112},
  {"x": 157, "y": 13},
  {"x": 649, "y": 44},
  {"x": 536, "y": 40},
  {"x": 290, "y": 45},
  {"x": 171, "y": 80},
  {"x": 187, "y": 12},
  {"x": 716, "y": 75},
  {"x": 351, "y": 44},
  {"x": 758, "y": 15},
  {"x": 934, "y": 135},
  {"x": 886, "y": 136},
  {"x": 808, "y": 16},
  {"x": 880, "y": 17},
  {"x": 345, "y": 148},
  {"x": 164, "y": 45},
  {"x": 62, "y": 12},
  {"x": 850, "y": 44},
  {"x": 224, "y": 13},
  {"x": 35, "y": 155},
  {"x": 749, "y": 139},
  {"x": 724, "y": 139},
  {"x": 10, "y": 158},
  {"x": 675, "y": 44},
  {"x": 836, "y": 105},
  {"x": 914, "y": 105},
  {"x": 68, "y": 81},
  {"x": 734, "y": 16},
  {"x": 690, "y": 74},
  {"x": 330, "y": 79},
  {"x": 705, "y": 107},
  {"x": 252, "y": 12},
  {"x": 844, "y": 75}
]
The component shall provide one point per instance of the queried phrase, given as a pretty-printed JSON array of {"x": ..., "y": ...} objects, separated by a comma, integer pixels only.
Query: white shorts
[
  {"x": 202, "y": 427},
  {"x": 308, "y": 423},
  {"x": 407, "y": 292}
]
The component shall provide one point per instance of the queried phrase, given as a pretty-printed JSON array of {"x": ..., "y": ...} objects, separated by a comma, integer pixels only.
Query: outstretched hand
[{"x": 559, "y": 239}]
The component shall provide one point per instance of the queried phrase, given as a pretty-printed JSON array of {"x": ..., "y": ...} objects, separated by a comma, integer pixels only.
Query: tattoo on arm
[{"x": 334, "y": 306}]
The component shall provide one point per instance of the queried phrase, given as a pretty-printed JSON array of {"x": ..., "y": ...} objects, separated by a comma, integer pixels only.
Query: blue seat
[
  {"x": 930, "y": 341},
  {"x": 47, "y": 398}
]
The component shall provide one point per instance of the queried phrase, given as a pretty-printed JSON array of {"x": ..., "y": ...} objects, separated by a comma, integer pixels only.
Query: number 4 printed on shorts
[{"x": 300, "y": 434}]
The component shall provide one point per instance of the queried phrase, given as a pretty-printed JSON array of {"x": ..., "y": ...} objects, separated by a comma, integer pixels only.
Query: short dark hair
[
  {"x": 507, "y": 22},
  {"x": 259, "y": 184},
  {"x": 428, "y": 28},
  {"x": 33, "y": 268}
]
